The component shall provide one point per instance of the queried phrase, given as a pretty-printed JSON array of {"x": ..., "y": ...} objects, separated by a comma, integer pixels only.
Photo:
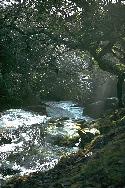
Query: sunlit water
[
  {"x": 35, "y": 138},
  {"x": 65, "y": 109}
]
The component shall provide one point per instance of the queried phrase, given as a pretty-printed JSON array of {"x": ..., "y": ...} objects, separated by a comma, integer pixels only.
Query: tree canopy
[{"x": 35, "y": 35}]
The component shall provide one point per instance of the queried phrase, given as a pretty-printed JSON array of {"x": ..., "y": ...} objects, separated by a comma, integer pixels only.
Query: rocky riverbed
[
  {"x": 100, "y": 163},
  {"x": 31, "y": 142}
]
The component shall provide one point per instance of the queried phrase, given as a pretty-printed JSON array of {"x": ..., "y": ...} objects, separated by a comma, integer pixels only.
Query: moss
[{"x": 107, "y": 165}]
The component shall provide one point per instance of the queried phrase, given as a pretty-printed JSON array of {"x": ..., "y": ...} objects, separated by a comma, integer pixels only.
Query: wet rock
[
  {"x": 97, "y": 109},
  {"x": 82, "y": 122},
  {"x": 59, "y": 124},
  {"x": 5, "y": 140},
  {"x": 63, "y": 118},
  {"x": 86, "y": 137},
  {"x": 38, "y": 108},
  {"x": 8, "y": 171},
  {"x": 55, "y": 120}
]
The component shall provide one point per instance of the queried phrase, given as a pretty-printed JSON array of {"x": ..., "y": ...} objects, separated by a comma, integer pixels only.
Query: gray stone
[{"x": 97, "y": 109}]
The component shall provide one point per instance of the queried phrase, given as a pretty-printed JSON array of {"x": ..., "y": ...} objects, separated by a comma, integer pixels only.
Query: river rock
[
  {"x": 86, "y": 137},
  {"x": 97, "y": 109},
  {"x": 41, "y": 109},
  {"x": 8, "y": 171},
  {"x": 5, "y": 140}
]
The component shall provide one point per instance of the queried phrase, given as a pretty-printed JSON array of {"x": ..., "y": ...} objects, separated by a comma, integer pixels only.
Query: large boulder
[
  {"x": 97, "y": 109},
  {"x": 41, "y": 109}
]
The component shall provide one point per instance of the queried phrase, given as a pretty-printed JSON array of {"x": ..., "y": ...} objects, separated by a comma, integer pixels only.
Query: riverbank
[{"x": 101, "y": 163}]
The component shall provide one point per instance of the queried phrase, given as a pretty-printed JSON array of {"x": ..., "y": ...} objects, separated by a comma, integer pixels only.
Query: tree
[
  {"x": 98, "y": 28},
  {"x": 39, "y": 29}
]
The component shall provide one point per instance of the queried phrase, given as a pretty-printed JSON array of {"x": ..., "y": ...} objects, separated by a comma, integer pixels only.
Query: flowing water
[{"x": 31, "y": 142}]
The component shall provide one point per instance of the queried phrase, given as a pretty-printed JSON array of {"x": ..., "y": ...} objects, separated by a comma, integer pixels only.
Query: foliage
[{"x": 38, "y": 37}]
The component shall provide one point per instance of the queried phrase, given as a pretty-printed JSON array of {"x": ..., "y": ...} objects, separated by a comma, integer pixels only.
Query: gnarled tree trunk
[{"x": 119, "y": 90}]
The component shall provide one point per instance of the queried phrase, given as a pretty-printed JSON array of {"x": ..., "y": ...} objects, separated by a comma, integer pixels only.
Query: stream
[{"x": 31, "y": 142}]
